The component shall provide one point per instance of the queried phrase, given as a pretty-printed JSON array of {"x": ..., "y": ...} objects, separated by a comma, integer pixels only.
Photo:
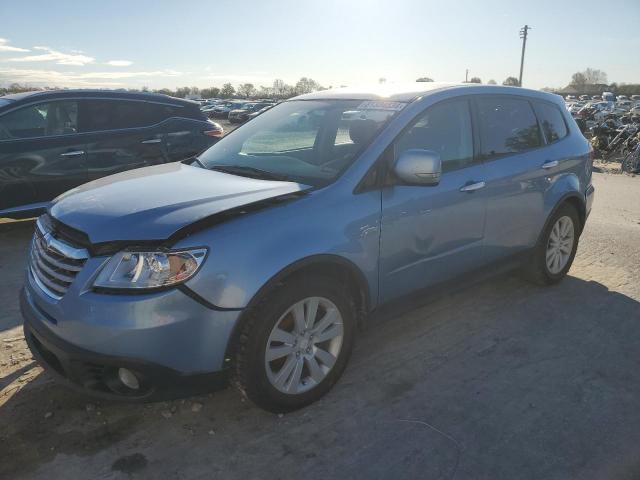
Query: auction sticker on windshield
[{"x": 376, "y": 105}]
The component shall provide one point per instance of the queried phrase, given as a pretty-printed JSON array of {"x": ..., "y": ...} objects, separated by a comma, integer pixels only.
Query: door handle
[
  {"x": 72, "y": 154},
  {"x": 550, "y": 164},
  {"x": 153, "y": 140},
  {"x": 472, "y": 187}
]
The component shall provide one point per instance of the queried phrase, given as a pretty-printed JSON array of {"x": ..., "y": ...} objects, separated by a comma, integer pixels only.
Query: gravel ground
[{"x": 502, "y": 380}]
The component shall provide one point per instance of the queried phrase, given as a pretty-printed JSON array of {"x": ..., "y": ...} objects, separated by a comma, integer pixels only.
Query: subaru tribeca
[{"x": 261, "y": 256}]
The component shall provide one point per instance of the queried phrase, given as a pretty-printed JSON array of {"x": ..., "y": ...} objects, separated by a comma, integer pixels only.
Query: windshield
[{"x": 310, "y": 142}]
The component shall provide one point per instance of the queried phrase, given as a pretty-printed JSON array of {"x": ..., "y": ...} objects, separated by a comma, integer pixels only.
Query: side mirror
[{"x": 419, "y": 167}]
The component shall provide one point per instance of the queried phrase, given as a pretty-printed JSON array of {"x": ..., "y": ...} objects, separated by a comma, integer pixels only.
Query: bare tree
[
  {"x": 578, "y": 79},
  {"x": 475, "y": 80},
  {"x": 227, "y": 91},
  {"x": 306, "y": 85},
  {"x": 511, "y": 82},
  {"x": 424, "y": 79},
  {"x": 491, "y": 82},
  {"x": 182, "y": 92},
  {"x": 246, "y": 90},
  {"x": 594, "y": 76},
  {"x": 210, "y": 92},
  {"x": 590, "y": 76}
]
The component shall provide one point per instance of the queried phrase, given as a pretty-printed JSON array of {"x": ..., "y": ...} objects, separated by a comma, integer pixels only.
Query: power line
[{"x": 523, "y": 36}]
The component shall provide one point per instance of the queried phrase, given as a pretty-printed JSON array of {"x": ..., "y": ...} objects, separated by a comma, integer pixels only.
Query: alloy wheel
[
  {"x": 560, "y": 245},
  {"x": 304, "y": 345}
]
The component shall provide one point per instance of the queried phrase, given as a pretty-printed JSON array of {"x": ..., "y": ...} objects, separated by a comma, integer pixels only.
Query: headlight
[{"x": 150, "y": 269}]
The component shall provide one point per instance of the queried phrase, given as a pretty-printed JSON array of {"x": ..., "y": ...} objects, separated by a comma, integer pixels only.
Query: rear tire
[
  {"x": 305, "y": 367},
  {"x": 553, "y": 256}
]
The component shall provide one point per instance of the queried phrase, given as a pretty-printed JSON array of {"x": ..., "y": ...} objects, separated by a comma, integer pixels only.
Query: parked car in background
[
  {"x": 584, "y": 97},
  {"x": 53, "y": 141},
  {"x": 222, "y": 109},
  {"x": 242, "y": 114},
  {"x": 260, "y": 112},
  {"x": 157, "y": 278},
  {"x": 608, "y": 97},
  {"x": 208, "y": 109}
]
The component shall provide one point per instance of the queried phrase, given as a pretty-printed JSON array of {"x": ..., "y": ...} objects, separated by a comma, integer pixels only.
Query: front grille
[{"x": 54, "y": 263}]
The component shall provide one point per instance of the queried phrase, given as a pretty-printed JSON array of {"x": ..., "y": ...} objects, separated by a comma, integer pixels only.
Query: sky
[{"x": 170, "y": 43}]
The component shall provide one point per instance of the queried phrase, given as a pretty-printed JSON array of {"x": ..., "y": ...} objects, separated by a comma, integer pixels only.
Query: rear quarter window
[
  {"x": 552, "y": 121},
  {"x": 189, "y": 112},
  {"x": 100, "y": 115},
  {"x": 507, "y": 126}
]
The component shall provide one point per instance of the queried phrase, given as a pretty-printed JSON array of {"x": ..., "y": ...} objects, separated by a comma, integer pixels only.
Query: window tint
[
  {"x": 551, "y": 120},
  {"x": 118, "y": 114},
  {"x": 446, "y": 129},
  {"x": 507, "y": 126},
  {"x": 45, "y": 119}
]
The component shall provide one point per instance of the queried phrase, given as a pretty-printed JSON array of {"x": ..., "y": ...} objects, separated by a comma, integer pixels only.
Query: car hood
[{"x": 153, "y": 203}]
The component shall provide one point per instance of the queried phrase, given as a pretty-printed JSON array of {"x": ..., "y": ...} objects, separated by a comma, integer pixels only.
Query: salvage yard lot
[{"x": 501, "y": 380}]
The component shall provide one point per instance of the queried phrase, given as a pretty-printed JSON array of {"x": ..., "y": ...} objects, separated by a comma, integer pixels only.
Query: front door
[
  {"x": 41, "y": 154},
  {"x": 432, "y": 233}
]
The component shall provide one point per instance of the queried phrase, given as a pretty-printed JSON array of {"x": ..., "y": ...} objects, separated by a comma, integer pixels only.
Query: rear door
[
  {"x": 122, "y": 135},
  {"x": 41, "y": 153},
  {"x": 187, "y": 132},
  {"x": 433, "y": 233},
  {"x": 512, "y": 148}
]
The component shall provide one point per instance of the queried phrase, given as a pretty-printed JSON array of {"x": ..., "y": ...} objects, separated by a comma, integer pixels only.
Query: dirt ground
[{"x": 502, "y": 380}]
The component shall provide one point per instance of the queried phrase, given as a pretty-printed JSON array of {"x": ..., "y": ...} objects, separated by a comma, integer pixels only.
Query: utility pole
[
  {"x": 466, "y": 76},
  {"x": 523, "y": 36}
]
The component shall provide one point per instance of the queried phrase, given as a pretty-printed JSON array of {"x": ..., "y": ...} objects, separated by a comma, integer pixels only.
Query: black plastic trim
[{"x": 203, "y": 301}]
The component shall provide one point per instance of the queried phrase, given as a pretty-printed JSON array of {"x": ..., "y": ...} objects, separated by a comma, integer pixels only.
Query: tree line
[
  {"x": 277, "y": 90},
  {"x": 590, "y": 81}
]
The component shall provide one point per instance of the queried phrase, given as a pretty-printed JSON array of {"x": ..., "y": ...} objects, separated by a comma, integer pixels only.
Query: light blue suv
[{"x": 261, "y": 257}]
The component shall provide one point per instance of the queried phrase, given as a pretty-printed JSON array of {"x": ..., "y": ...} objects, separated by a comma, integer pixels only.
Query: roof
[
  {"x": 407, "y": 92},
  {"x": 92, "y": 93}
]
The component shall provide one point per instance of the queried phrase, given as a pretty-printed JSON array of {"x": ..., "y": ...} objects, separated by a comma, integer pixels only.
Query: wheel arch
[
  {"x": 576, "y": 201},
  {"x": 330, "y": 265}
]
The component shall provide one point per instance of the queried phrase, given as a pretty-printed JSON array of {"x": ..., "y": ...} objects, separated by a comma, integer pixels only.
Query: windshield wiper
[{"x": 250, "y": 172}]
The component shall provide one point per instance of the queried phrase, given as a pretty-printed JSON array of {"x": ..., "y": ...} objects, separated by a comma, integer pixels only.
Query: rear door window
[
  {"x": 507, "y": 126},
  {"x": 41, "y": 120},
  {"x": 120, "y": 114},
  {"x": 551, "y": 120}
]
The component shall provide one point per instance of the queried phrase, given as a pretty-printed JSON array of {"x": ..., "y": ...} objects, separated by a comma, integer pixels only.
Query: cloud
[
  {"x": 119, "y": 63},
  {"x": 70, "y": 79},
  {"x": 74, "y": 59},
  {"x": 8, "y": 48}
]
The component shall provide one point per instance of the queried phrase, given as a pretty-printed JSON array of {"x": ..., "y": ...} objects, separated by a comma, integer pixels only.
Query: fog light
[{"x": 128, "y": 378}]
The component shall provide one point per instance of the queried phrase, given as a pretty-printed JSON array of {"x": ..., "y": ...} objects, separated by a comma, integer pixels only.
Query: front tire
[
  {"x": 556, "y": 249},
  {"x": 295, "y": 344}
]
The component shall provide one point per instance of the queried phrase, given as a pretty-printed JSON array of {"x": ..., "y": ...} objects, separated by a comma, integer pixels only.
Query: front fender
[{"x": 247, "y": 252}]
